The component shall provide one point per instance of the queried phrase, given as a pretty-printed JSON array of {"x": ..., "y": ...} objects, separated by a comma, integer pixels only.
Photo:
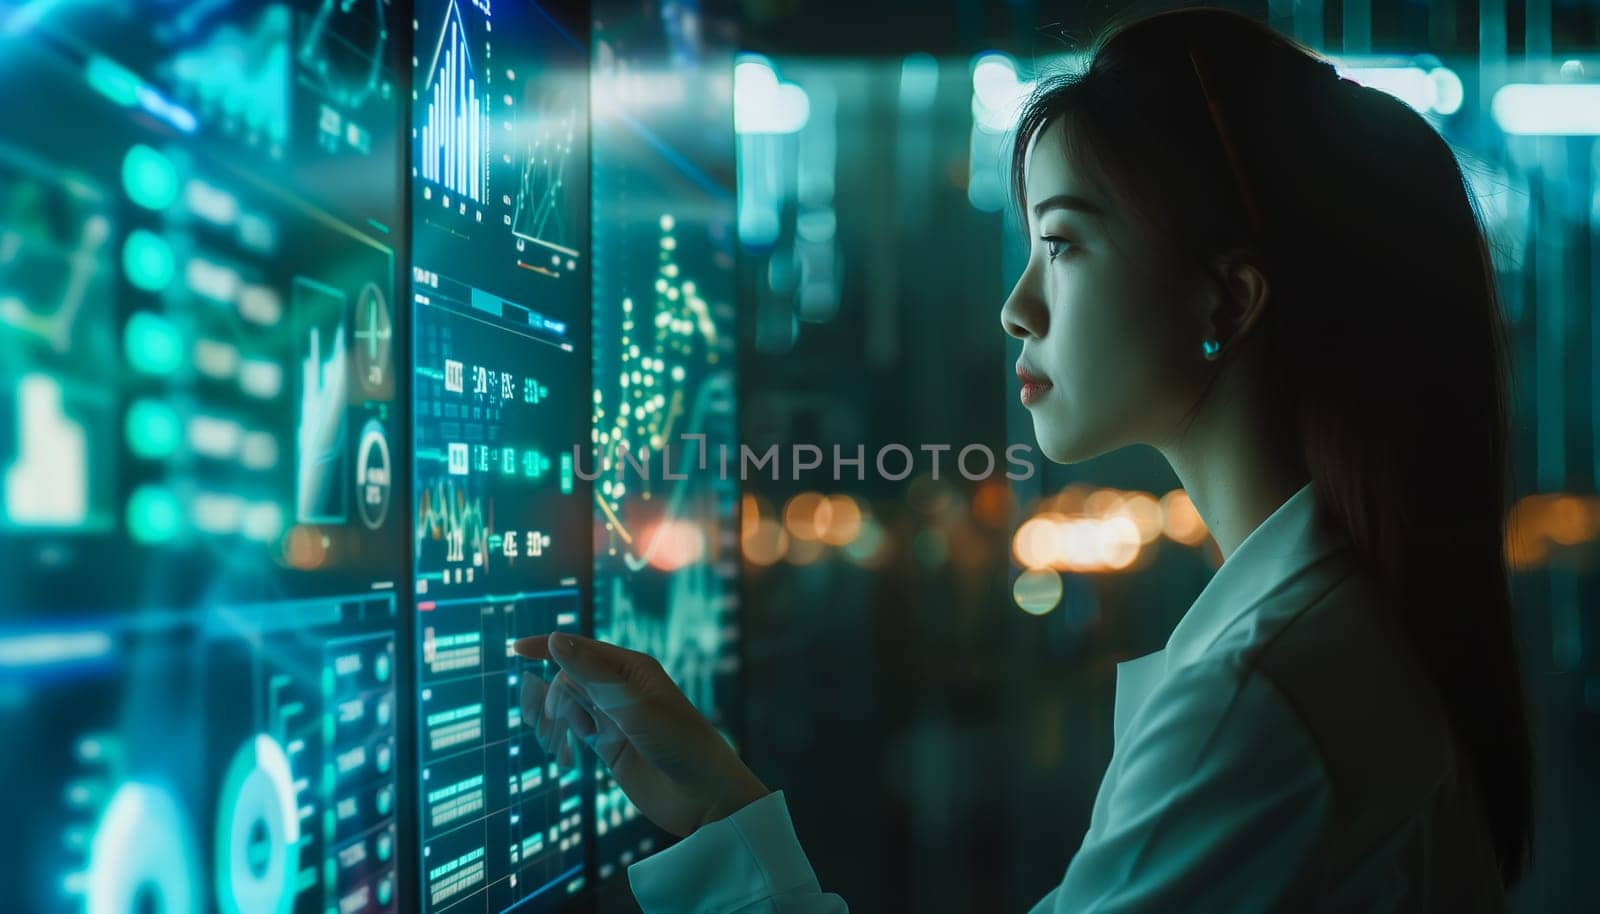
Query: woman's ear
[{"x": 1243, "y": 294}]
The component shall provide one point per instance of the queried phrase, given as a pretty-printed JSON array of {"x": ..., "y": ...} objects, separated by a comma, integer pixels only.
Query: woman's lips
[{"x": 1033, "y": 386}]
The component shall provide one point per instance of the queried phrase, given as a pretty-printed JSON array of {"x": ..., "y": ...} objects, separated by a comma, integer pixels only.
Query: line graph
[
  {"x": 663, "y": 546},
  {"x": 55, "y": 242},
  {"x": 342, "y": 50},
  {"x": 685, "y": 637},
  {"x": 537, "y": 214},
  {"x": 670, "y": 380},
  {"x": 342, "y": 58},
  {"x": 459, "y": 525}
]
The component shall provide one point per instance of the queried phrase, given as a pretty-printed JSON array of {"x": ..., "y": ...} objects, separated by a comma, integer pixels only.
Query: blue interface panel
[
  {"x": 292, "y": 392},
  {"x": 499, "y": 282},
  {"x": 666, "y": 549},
  {"x": 201, "y": 433}
]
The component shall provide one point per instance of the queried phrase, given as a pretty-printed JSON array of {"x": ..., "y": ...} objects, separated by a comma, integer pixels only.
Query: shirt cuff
[{"x": 727, "y": 864}]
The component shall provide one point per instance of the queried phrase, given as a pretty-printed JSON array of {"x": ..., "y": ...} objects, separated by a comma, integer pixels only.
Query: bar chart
[{"x": 453, "y": 133}]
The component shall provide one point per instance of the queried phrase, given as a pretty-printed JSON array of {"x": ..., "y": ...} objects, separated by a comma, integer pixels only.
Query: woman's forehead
[
  {"x": 1047, "y": 167},
  {"x": 1051, "y": 180}
]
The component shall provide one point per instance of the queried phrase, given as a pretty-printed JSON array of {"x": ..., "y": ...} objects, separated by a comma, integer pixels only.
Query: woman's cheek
[
  {"x": 1089, "y": 348},
  {"x": 1105, "y": 358}
]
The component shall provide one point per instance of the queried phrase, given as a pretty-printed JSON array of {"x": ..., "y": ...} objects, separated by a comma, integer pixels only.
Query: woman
[{"x": 1276, "y": 278}]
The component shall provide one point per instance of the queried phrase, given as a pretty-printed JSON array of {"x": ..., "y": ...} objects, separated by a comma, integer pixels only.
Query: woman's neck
[{"x": 1229, "y": 466}]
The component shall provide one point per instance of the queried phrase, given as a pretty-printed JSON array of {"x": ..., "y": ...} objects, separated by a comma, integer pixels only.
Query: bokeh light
[{"x": 1037, "y": 592}]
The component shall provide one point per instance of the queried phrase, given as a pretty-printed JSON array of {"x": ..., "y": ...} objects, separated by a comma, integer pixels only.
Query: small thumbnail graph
[
  {"x": 342, "y": 58},
  {"x": 342, "y": 51},
  {"x": 451, "y": 520},
  {"x": 539, "y": 213},
  {"x": 56, "y": 240},
  {"x": 238, "y": 75},
  {"x": 453, "y": 137},
  {"x": 320, "y": 439}
]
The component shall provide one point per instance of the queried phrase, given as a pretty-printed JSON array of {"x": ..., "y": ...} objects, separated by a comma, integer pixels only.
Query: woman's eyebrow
[{"x": 1068, "y": 201}]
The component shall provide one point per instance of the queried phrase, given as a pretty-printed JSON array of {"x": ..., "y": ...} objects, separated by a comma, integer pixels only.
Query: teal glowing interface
[
  {"x": 303, "y": 308},
  {"x": 202, "y": 448},
  {"x": 499, "y": 281},
  {"x": 666, "y": 550}
]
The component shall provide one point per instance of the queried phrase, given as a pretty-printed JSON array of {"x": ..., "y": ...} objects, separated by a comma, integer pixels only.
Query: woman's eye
[{"x": 1054, "y": 247}]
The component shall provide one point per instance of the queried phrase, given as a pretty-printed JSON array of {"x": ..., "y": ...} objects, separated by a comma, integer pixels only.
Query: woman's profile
[{"x": 1276, "y": 278}]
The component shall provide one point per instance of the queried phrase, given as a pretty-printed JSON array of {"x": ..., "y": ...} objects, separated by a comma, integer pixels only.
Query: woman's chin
[
  {"x": 1055, "y": 446},
  {"x": 1060, "y": 444}
]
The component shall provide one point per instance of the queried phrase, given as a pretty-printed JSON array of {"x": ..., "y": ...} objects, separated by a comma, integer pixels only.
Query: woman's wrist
[{"x": 746, "y": 790}]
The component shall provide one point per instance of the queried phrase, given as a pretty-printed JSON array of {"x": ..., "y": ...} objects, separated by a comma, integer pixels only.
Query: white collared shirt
[{"x": 1283, "y": 752}]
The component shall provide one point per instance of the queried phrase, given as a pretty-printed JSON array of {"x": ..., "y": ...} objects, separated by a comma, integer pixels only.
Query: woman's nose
[{"x": 1024, "y": 314}]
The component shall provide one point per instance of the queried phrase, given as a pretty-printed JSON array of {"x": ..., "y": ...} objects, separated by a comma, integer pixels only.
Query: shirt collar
[
  {"x": 1296, "y": 536},
  {"x": 1279, "y": 551}
]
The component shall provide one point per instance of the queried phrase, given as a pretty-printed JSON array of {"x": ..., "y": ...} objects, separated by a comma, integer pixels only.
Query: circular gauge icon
[
  {"x": 374, "y": 337},
  {"x": 373, "y": 475},
  {"x": 258, "y": 831}
]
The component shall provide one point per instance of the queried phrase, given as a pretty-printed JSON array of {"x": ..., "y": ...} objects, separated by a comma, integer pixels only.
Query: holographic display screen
[
  {"x": 666, "y": 559},
  {"x": 201, "y": 443},
  {"x": 287, "y": 438},
  {"x": 500, "y": 290}
]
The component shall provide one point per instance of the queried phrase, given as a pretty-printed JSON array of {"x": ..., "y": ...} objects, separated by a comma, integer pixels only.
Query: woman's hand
[{"x": 664, "y": 754}]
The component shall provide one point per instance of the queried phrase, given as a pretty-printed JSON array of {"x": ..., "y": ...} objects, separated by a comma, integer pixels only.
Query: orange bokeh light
[
  {"x": 1182, "y": 522},
  {"x": 801, "y": 515},
  {"x": 839, "y": 520},
  {"x": 767, "y": 545},
  {"x": 674, "y": 544},
  {"x": 304, "y": 548}
]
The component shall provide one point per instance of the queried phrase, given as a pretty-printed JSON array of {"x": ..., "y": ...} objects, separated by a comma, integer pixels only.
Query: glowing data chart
[
  {"x": 664, "y": 331},
  {"x": 198, "y": 365},
  {"x": 198, "y": 411},
  {"x": 453, "y": 147},
  {"x": 666, "y": 560},
  {"x": 500, "y": 140},
  {"x": 499, "y": 399}
]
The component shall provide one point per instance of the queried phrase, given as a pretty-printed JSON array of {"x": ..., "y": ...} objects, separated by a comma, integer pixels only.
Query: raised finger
[
  {"x": 535, "y": 648},
  {"x": 593, "y": 662},
  {"x": 612, "y": 676}
]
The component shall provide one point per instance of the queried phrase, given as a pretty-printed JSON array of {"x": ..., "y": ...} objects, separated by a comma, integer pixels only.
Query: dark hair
[{"x": 1382, "y": 347}]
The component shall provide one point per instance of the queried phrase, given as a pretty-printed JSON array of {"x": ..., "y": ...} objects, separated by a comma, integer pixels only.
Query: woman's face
[{"x": 1110, "y": 323}]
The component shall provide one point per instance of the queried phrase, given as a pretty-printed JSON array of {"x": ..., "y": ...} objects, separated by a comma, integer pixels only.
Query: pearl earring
[{"x": 1209, "y": 348}]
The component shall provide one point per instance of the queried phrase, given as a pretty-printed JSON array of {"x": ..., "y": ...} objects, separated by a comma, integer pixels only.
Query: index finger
[
  {"x": 534, "y": 648},
  {"x": 599, "y": 663},
  {"x": 584, "y": 659}
]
